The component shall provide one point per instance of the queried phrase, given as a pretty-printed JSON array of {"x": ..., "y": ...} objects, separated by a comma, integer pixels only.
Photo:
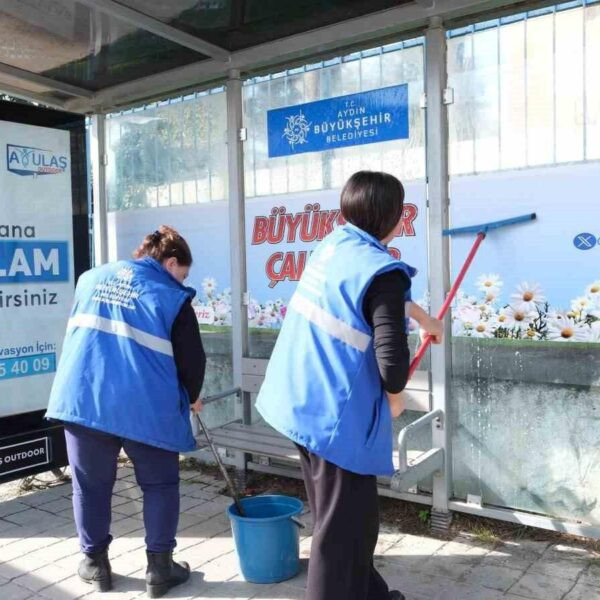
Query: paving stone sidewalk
[{"x": 39, "y": 554}]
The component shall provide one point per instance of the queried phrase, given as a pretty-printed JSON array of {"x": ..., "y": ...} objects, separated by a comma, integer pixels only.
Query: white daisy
[
  {"x": 485, "y": 309},
  {"x": 483, "y": 329},
  {"x": 567, "y": 330},
  {"x": 581, "y": 305},
  {"x": 502, "y": 319},
  {"x": 468, "y": 314},
  {"x": 528, "y": 296},
  {"x": 531, "y": 334},
  {"x": 487, "y": 283},
  {"x": 491, "y": 296},
  {"x": 209, "y": 285},
  {"x": 593, "y": 290},
  {"x": 517, "y": 318}
]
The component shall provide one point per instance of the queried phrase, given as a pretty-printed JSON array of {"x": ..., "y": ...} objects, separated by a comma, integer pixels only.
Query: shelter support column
[
  {"x": 439, "y": 255},
  {"x": 100, "y": 204},
  {"x": 237, "y": 244}
]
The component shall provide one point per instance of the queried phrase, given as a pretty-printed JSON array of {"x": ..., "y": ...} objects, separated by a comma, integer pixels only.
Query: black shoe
[
  {"x": 163, "y": 573},
  {"x": 95, "y": 570},
  {"x": 396, "y": 595}
]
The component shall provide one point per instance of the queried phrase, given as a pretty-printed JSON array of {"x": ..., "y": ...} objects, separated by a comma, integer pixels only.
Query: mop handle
[
  {"x": 230, "y": 485},
  {"x": 449, "y": 298}
]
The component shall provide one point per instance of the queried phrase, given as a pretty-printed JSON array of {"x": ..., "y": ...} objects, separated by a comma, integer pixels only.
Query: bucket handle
[{"x": 298, "y": 522}]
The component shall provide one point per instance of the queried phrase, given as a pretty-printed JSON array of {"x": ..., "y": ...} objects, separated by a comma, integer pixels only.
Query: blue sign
[
  {"x": 25, "y": 366},
  {"x": 584, "y": 241},
  {"x": 365, "y": 118},
  {"x": 33, "y": 261}
]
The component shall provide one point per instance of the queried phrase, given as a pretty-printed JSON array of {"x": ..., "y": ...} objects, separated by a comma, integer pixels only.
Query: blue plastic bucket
[{"x": 267, "y": 540}]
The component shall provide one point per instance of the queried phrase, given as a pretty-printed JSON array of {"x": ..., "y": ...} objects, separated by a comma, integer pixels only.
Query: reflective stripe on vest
[
  {"x": 330, "y": 324},
  {"x": 122, "y": 329}
]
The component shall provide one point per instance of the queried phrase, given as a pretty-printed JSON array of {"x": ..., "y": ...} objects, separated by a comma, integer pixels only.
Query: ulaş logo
[
  {"x": 23, "y": 160},
  {"x": 296, "y": 129}
]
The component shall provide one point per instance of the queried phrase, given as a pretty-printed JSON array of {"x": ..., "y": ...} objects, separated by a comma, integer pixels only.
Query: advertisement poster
[
  {"x": 539, "y": 280},
  {"x": 36, "y": 261},
  {"x": 281, "y": 233}
]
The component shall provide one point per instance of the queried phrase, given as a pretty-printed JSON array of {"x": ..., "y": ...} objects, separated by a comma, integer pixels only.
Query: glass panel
[
  {"x": 486, "y": 106},
  {"x": 540, "y": 90},
  {"x": 592, "y": 82},
  {"x": 526, "y": 325},
  {"x": 70, "y": 42},
  {"x": 173, "y": 155},
  {"x": 569, "y": 85},
  {"x": 192, "y": 16},
  {"x": 302, "y": 191},
  {"x": 461, "y": 114},
  {"x": 513, "y": 103},
  {"x": 525, "y": 94},
  {"x": 236, "y": 25},
  {"x": 406, "y": 159}
]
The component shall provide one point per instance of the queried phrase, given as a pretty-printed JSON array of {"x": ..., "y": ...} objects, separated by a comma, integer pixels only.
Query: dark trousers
[
  {"x": 93, "y": 460},
  {"x": 345, "y": 508}
]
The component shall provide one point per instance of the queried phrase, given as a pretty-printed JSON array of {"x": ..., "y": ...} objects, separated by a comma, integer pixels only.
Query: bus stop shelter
[{"x": 105, "y": 59}]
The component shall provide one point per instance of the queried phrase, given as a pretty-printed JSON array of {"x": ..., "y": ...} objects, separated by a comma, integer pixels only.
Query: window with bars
[
  {"x": 526, "y": 90},
  {"x": 362, "y": 71},
  {"x": 168, "y": 153},
  {"x": 174, "y": 152}
]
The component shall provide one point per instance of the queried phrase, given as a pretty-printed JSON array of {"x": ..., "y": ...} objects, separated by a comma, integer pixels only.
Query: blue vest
[
  {"x": 117, "y": 373},
  {"x": 322, "y": 388}
]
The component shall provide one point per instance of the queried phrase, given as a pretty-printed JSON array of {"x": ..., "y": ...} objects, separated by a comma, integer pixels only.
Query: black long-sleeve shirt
[
  {"x": 384, "y": 310},
  {"x": 188, "y": 351}
]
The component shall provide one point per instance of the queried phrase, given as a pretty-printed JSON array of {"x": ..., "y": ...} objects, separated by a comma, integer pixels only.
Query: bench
[{"x": 268, "y": 451}]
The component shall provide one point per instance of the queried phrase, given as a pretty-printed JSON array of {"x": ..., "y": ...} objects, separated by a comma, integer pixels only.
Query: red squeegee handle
[{"x": 449, "y": 298}]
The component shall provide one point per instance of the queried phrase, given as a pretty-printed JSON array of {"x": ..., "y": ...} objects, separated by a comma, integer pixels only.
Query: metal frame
[
  {"x": 42, "y": 80},
  {"x": 296, "y": 49},
  {"x": 35, "y": 97},
  {"x": 529, "y": 519},
  {"x": 100, "y": 204},
  {"x": 439, "y": 248},
  {"x": 143, "y": 21},
  {"x": 237, "y": 244}
]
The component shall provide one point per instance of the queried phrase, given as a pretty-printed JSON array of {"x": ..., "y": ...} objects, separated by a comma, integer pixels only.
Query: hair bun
[{"x": 163, "y": 243}]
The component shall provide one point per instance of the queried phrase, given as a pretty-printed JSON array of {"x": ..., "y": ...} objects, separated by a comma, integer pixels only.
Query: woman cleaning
[
  {"x": 334, "y": 383},
  {"x": 132, "y": 366}
]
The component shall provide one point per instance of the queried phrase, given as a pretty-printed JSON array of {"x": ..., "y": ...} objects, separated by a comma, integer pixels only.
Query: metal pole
[
  {"x": 439, "y": 254},
  {"x": 232, "y": 489},
  {"x": 98, "y": 159},
  {"x": 237, "y": 241}
]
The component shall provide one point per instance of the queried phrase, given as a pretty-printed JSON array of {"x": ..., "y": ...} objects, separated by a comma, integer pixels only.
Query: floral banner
[
  {"x": 281, "y": 233},
  {"x": 525, "y": 313},
  {"x": 535, "y": 281}
]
